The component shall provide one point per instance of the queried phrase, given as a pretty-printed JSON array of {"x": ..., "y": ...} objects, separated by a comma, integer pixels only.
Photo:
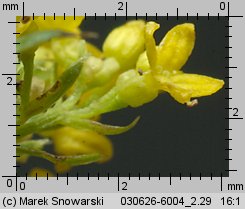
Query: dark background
[{"x": 170, "y": 137}]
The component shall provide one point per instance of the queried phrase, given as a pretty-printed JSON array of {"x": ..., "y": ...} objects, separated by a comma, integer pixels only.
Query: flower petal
[
  {"x": 176, "y": 47},
  {"x": 150, "y": 43},
  {"x": 143, "y": 63},
  {"x": 182, "y": 87}
]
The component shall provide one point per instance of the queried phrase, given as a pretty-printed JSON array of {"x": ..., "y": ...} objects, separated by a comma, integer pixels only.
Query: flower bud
[
  {"x": 126, "y": 43},
  {"x": 109, "y": 70},
  {"x": 97, "y": 72},
  {"x": 135, "y": 88},
  {"x": 91, "y": 66},
  {"x": 69, "y": 141},
  {"x": 67, "y": 51}
]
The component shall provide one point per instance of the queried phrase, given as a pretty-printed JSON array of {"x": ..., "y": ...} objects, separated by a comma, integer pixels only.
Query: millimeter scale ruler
[{"x": 212, "y": 190}]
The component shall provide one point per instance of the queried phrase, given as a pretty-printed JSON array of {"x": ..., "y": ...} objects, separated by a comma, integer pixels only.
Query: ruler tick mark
[
  {"x": 170, "y": 179},
  {"x": 67, "y": 177}
]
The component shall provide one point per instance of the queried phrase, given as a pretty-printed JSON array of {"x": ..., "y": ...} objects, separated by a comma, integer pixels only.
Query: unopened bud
[
  {"x": 98, "y": 72},
  {"x": 126, "y": 43}
]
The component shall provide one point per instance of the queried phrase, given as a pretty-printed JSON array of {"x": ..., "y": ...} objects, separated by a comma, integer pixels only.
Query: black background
[{"x": 170, "y": 137}]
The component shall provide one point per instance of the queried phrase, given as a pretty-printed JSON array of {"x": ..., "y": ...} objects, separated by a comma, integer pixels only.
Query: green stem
[
  {"x": 38, "y": 123},
  {"x": 53, "y": 121},
  {"x": 54, "y": 117}
]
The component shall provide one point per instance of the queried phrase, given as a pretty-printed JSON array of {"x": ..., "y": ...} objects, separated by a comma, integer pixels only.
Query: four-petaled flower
[{"x": 166, "y": 60}]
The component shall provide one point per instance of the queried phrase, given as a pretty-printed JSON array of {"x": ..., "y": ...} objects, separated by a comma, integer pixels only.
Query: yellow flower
[
  {"x": 67, "y": 25},
  {"x": 166, "y": 60}
]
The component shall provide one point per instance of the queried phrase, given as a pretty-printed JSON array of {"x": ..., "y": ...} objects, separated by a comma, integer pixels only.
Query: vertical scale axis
[
  {"x": 228, "y": 17},
  {"x": 15, "y": 177},
  {"x": 17, "y": 115},
  {"x": 229, "y": 77},
  {"x": 15, "y": 154}
]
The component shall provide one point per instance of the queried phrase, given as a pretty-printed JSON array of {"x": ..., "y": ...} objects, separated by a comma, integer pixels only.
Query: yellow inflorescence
[{"x": 131, "y": 70}]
